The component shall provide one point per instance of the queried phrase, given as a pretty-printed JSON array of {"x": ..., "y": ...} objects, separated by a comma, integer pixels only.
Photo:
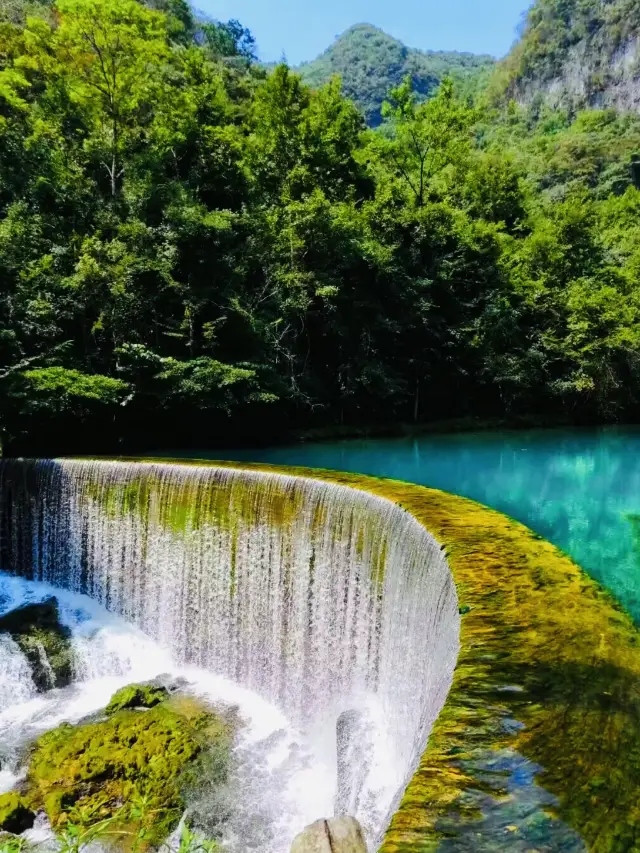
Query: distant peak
[
  {"x": 367, "y": 31},
  {"x": 371, "y": 62},
  {"x": 364, "y": 27}
]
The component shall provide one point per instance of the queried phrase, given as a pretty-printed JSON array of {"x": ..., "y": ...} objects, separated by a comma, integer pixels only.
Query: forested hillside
[
  {"x": 193, "y": 249},
  {"x": 575, "y": 54},
  {"x": 370, "y": 63}
]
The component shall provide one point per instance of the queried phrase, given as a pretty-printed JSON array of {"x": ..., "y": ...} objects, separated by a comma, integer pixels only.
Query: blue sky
[{"x": 301, "y": 29}]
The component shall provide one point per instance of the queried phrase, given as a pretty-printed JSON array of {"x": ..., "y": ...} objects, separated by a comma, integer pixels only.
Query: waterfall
[{"x": 309, "y": 593}]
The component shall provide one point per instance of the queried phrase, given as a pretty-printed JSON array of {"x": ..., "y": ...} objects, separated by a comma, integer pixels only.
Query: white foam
[
  {"x": 16, "y": 684},
  {"x": 282, "y": 783}
]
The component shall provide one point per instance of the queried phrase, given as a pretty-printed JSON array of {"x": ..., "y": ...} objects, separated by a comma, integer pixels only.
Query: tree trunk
[
  {"x": 114, "y": 157},
  {"x": 113, "y": 175}
]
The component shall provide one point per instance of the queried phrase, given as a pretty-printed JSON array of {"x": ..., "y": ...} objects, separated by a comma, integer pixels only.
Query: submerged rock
[
  {"x": 44, "y": 641},
  {"x": 104, "y": 769},
  {"x": 15, "y": 814},
  {"x": 336, "y": 835}
]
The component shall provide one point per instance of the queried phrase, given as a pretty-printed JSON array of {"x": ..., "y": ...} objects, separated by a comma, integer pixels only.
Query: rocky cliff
[{"x": 576, "y": 54}]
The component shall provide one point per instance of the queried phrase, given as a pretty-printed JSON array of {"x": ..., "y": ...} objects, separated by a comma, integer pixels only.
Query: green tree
[
  {"x": 109, "y": 56},
  {"x": 229, "y": 39},
  {"x": 422, "y": 139}
]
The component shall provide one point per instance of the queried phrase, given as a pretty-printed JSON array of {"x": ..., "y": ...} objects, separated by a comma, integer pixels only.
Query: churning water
[
  {"x": 109, "y": 653},
  {"x": 294, "y": 599}
]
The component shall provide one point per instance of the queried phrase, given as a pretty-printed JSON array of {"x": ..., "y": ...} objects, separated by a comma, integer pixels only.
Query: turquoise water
[{"x": 578, "y": 488}]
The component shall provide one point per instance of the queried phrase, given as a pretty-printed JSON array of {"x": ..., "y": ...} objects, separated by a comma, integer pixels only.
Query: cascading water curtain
[{"x": 312, "y": 594}]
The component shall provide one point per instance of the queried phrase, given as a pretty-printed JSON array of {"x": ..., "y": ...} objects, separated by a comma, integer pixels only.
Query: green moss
[
  {"x": 137, "y": 696},
  {"x": 15, "y": 814},
  {"x": 45, "y": 642},
  {"x": 195, "y": 503},
  {"x": 99, "y": 770}
]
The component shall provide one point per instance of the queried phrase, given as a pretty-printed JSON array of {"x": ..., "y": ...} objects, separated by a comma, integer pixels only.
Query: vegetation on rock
[
  {"x": 576, "y": 54},
  {"x": 15, "y": 814},
  {"x": 45, "y": 642},
  {"x": 136, "y": 696},
  {"x": 104, "y": 771}
]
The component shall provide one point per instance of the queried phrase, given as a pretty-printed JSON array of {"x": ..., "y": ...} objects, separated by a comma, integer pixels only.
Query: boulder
[
  {"x": 335, "y": 835},
  {"x": 15, "y": 815},
  {"x": 137, "y": 696},
  {"x": 103, "y": 768},
  {"x": 44, "y": 641}
]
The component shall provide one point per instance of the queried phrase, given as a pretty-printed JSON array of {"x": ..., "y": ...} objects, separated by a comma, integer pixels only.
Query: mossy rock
[
  {"x": 101, "y": 769},
  {"x": 45, "y": 642},
  {"x": 15, "y": 814},
  {"x": 137, "y": 696}
]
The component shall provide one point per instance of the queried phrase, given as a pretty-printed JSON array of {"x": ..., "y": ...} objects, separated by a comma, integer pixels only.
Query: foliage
[
  {"x": 208, "y": 252},
  {"x": 78, "y": 835},
  {"x": 229, "y": 39},
  {"x": 191, "y": 842},
  {"x": 424, "y": 139}
]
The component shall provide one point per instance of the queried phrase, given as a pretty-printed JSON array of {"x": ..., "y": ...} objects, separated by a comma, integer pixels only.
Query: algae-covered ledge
[{"x": 537, "y": 745}]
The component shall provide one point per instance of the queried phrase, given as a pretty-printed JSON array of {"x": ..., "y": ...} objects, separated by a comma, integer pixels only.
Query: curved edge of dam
[
  {"x": 535, "y": 746},
  {"x": 336, "y": 606}
]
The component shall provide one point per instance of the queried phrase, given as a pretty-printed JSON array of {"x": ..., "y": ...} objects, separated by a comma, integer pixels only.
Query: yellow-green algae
[
  {"x": 136, "y": 696},
  {"x": 15, "y": 814},
  {"x": 99, "y": 770},
  {"x": 547, "y": 686},
  {"x": 226, "y": 504}
]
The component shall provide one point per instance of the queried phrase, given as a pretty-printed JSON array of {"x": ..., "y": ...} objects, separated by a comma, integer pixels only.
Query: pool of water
[{"x": 578, "y": 488}]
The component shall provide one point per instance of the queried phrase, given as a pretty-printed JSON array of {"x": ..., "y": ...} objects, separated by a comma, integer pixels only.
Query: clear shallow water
[{"x": 578, "y": 488}]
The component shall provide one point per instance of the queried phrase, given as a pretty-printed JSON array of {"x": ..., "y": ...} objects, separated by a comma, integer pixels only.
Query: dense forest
[
  {"x": 195, "y": 249},
  {"x": 370, "y": 63}
]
